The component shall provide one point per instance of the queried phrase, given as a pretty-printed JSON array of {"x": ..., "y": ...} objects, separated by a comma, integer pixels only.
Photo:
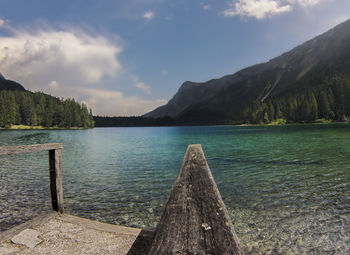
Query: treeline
[
  {"x": 39, "y": 109},
  {"x": 322, "y": 98},
  {"x": 134, "y": 121},
  {"x": 326, "y": 98}
]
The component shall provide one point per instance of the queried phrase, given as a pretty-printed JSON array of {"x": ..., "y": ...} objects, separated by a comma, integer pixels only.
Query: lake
[{"x": 287, "y": 188}]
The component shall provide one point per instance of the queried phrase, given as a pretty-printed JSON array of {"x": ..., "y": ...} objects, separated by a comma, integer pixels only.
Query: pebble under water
[{"x": 286, "y": 187}]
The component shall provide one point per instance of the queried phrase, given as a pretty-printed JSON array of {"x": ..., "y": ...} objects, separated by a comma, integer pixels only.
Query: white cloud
[
  {"x": 148, "y": 15},
  {"x": 69, "y": 56},
  {"x": 260, "y": 9},
  {"x": 205, "y": 6},
  {"x": 2, "y": 22},
  {"x": 114, "y": 103},
  {"x": 106, "y": 102},
  {"x": 139, "y": 84},
  {"x": 72, "y": 63},
  {"x": 53, "y": 85},
  {"x": 144, "y": 87},
  {"x": 307, "y": 2},
  {"x": 256, "y": 8}
]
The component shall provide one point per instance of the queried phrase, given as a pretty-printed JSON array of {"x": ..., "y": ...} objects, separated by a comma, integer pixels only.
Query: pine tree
[
  {"x": 313, "y": 107},
  {"x": 338, "y": 90},
  {"x": 271, "y": 110},
  {"x": 324, "y": 107},
  {"x": 266, "y": 118},
  {"x": 279, "y": 114},
  {"x": 2, "y": 109},
  {"x": 27, "y": 109},
  {"x": 23, "y": 107}
]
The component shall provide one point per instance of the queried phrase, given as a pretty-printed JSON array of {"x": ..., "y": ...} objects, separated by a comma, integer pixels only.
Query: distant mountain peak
[{"x": 297, "y": 69}]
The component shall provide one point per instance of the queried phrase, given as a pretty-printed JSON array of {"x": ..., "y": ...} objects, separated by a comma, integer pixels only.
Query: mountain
[
  {"x": 310, "y": 77},
  {"x": 9, "y": 85}
]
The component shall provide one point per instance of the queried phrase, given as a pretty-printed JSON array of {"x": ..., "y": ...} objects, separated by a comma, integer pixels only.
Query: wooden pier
[{"x": 195, "y": 219}]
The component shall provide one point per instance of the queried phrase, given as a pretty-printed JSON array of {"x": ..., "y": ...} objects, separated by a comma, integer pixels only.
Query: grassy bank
[{"x": 280, "y": 122}]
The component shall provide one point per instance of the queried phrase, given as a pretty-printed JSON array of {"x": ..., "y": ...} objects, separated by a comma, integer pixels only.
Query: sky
[{"x": 125, "y": 58}]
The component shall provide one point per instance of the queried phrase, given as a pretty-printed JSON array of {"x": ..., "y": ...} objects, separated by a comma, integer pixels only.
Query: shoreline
[
  {"x": 292, "y": 124},
  {"x": 27, "y": 127}
]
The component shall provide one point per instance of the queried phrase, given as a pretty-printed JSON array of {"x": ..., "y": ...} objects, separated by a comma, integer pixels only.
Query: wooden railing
[{"x": 55, "y": 167}]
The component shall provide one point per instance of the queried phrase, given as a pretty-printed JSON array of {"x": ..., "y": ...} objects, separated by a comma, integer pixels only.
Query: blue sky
[{"x": 128, "y": 57}]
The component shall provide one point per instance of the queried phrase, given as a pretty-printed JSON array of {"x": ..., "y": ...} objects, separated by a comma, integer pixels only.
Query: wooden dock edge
[
  {"x": 100, "y": 226},
  {"x": 38, "y": 220},
  {"x": 19, "y": 149},
  {"x": 87, "y": 223},
  {"x": 195, "y": 219}
]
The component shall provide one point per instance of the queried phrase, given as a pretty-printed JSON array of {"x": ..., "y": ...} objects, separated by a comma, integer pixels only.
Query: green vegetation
[
  {"x": 38, "y": 109},
  {"x": 321, "y": 98},
  {"x": 323, "y": 121},
  {"x": 277, "y": 122}
]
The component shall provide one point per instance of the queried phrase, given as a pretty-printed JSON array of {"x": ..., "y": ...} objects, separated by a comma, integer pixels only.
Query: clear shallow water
[{"x": 286, "y": 188}]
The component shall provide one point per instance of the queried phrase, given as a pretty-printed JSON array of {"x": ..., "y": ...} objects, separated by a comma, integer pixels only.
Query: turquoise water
[{"x": 286, "y": 188}]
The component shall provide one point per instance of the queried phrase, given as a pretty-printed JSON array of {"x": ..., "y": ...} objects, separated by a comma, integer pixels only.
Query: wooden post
[
  {"x": 56, "y": 186},
  {"x": 55, "y": 164},
  {"x": 195, "y": 219}
]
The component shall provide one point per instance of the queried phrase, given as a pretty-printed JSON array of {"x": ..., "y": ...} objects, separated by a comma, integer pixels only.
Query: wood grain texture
[
  {"x": 195, "y": 219},
  {"x": 142, "y": 243},
  {"x": 56, "y": 186},
  {"x": 9, "y": 150}
]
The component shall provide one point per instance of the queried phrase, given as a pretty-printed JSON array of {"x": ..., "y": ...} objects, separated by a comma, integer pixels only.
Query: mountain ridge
[{"x": 227, "y": 97}]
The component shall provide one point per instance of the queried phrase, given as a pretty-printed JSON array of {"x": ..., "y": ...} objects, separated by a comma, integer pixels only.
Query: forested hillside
[
  {"x": 308, "y": 83},
  {"x": 19, "y": 106},
  {"x": 39, "y": 109},
  {"x": 321, "y": 97}
]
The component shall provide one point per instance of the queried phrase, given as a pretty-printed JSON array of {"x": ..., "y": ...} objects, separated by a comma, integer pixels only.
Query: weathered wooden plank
[
  {"x": 56, "y": 186},
  {"x": 8, "y": 150},
  {"x": 195, "y": 219},
  {"x": 142, "y": 243}
]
